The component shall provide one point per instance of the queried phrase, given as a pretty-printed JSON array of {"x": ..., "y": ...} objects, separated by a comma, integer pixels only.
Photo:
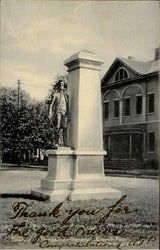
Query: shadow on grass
[{"x": 23, "y": 196}]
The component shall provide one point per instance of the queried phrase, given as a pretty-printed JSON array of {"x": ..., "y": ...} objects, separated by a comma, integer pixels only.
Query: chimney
[
  {"x": 131, "y": 57},
  {"x": 157, "y": 53}
]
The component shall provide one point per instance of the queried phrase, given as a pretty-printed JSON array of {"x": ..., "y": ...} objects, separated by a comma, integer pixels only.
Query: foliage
[
  {"x": 11, "y": 115},
  {"x": 39, "y": 131},
  {"x": 26, "y": 127}
]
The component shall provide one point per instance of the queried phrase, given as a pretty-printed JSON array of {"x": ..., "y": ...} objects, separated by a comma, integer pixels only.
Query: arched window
[{"x": 121, "y": 75}]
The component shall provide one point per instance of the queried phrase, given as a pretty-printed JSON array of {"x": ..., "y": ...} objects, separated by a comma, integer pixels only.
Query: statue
[{"x": 59, "y": 113}]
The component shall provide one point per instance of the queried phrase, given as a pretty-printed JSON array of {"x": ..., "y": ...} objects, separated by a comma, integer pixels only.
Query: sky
[{"x": 38, "y": 35}]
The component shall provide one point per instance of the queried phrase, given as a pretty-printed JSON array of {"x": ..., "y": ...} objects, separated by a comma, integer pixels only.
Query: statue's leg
[
  {"x": 65, "y": 137},
  {"x": 58, "y": 120},
  {"x": 58, "y": 128}
]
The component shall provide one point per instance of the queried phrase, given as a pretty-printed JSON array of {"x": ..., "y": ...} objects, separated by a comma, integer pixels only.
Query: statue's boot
[{"x": 57, "y": 136}]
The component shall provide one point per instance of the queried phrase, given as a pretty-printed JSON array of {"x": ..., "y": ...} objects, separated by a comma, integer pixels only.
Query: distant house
[{"x": 131, "y": 113}]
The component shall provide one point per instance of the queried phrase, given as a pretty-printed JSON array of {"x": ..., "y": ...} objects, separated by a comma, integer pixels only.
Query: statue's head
[{"x": 60, "y": 85}]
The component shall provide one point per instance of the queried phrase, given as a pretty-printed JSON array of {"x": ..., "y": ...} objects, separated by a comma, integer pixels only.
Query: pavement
[
  {"x": 22, "y": 181},
  {"x": 148, "y": 174},
  {"x": 11, "y": 166}
]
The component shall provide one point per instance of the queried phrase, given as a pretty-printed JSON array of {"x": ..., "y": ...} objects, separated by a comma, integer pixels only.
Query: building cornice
[{"x": 125, "y": 126}]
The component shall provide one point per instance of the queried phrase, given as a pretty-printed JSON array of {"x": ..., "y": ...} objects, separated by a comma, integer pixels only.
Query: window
[
  {"x": 121, "y": 75},
  {"x": 116, "y": 108},
  {"x": 151, "y": 141},
  {"x": 106, "y": 110},
  {"x": 151, "y": 103},
  {"x": 127, "y": 106},
  {"x": 138, "y": 105}
]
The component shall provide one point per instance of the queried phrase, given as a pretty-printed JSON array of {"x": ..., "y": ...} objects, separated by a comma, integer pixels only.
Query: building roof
[
  {"x": 142, "y": 67},
  {"x": 139, "y": 67}
]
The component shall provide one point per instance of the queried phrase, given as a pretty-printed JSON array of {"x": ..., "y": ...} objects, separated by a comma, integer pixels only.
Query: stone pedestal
[
  {"x": 78, "y": 172},
  {"x": 75, "y": 175}
]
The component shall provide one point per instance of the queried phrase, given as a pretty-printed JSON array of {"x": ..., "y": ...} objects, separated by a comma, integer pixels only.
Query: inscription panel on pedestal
[{"x": 90, "y": 166}]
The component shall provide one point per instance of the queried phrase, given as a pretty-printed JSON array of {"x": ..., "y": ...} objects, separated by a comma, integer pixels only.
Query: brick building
[{"x": 130, "y": 95}]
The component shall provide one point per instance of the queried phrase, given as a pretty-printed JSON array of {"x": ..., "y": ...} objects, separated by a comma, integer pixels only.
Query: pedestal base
[
  {"x": 96, "y": 193},
  {"x": 75, "y": 175},
  {"x": 79, "y": 194},
  {"x": 51, "y": 195}
]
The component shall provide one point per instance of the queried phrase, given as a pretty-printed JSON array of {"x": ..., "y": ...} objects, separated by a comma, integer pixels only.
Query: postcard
[{"x": 79, "y": 145}]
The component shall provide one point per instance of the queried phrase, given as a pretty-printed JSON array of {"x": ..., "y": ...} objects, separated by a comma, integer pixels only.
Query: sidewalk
[
  {"x": 138, "y": 173},
  {"x": 11, "y": 166}
]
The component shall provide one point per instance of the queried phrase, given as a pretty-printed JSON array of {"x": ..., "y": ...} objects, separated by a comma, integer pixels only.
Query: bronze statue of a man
[{"x": 59, "y": 112}]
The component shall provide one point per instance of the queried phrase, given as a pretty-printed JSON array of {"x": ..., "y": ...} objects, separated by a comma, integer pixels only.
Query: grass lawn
[
  {"x": 79, "y": 221},
  {"x": 128, "y": 224}
]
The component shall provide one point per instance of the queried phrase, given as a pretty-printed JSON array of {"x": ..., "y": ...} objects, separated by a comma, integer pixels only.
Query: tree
[
  {"x": 10, "y": 118},
  {"x": 38, "y": 130},
  {"x": 25, "y": 129}
]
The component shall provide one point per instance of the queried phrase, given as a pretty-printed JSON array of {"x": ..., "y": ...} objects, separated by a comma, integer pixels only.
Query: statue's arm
[{"x": 51, "y": 108}]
